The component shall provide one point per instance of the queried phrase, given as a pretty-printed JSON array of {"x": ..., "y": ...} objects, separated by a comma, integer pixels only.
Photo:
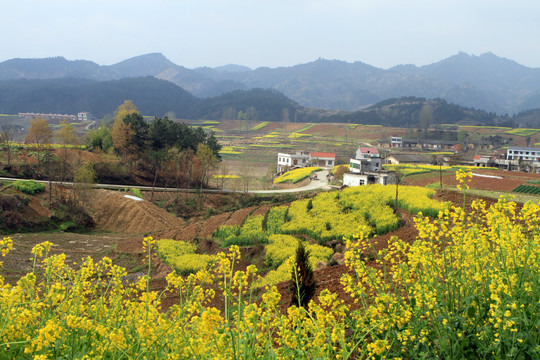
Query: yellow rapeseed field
[{"x": 468, "y": 287}]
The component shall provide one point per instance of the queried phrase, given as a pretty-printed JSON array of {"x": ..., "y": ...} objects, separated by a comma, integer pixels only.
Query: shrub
[
  {"x": 29, "y": 186},
  {"x": 136, "y": 192},
  {"x": 303, "y": 284}
]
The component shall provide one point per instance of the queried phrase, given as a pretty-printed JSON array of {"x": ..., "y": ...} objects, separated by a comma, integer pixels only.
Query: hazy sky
[{"x": 256, "y": 33}]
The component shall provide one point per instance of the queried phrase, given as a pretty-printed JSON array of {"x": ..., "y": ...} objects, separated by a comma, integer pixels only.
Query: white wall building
[
  {"x": 396, "y": 141},
  {"x": 523, "y": 153},
  {"x": 299, "y": 159},
  {"x": 351, "y": 179},
  {"x": 84, "y": 116}
]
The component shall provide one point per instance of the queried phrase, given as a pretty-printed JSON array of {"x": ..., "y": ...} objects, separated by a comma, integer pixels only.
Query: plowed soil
[
  {"x": 510, "y": 179},
  {"x": 116, "y": 213}
]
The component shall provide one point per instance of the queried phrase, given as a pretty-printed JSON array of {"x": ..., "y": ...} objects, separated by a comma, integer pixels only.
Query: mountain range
[{"x": 486, "y": 82}]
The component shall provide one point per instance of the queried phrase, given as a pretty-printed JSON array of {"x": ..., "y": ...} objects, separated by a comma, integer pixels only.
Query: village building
[
  {"x": 485, "y": 160},
  {"x": 322, "y": 159},
  {"x": 396, "y": 159},
  {"x": 367, "y": 159},
  {"x": 291, "y": 161},
  {"x": 523, "y": 153},
  {"x": 396, "y": 142},
  {"x": 84, "y": 116},
  {"x": 366, "y": 168},
  {"x": 304, "y": 158},
  {"x": 52, "y": 117},
  {"x": 366, "y": 178}
]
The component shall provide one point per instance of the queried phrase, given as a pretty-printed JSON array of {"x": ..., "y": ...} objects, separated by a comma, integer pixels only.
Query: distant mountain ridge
[
  {"x": 485, "y": 82},
  {"x": 157, "y": 97}
]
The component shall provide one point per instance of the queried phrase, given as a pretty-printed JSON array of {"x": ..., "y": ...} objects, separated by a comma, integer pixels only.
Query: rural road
[
  {"x": 314, "y": 184},
  {"x": 322, "y": 183}
]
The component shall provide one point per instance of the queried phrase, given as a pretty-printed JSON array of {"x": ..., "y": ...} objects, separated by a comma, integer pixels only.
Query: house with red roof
[{"x": 367, "y": 159}]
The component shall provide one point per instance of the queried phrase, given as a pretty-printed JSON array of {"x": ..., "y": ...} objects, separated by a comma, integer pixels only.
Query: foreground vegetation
[{"x": 468, "y": 287}]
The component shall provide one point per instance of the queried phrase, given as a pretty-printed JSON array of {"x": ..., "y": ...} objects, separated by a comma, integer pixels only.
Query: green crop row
[{"x": 527, "y": 189}]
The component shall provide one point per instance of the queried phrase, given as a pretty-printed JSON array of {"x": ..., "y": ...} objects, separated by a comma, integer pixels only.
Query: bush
[
  {"x": 136, "y": 192},
  {"x": 303, "y": 283},
  {"x": 29, "y": 187}
]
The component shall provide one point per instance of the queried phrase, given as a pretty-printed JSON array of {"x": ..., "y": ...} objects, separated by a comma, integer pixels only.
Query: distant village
[{"x": 367, "y": 165}]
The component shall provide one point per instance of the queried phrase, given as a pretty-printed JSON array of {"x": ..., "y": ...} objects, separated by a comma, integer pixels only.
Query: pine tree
[{"x": 303, "y": 283}]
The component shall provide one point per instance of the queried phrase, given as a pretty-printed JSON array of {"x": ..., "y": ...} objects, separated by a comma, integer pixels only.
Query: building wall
[{"x": 532, "y": 154}]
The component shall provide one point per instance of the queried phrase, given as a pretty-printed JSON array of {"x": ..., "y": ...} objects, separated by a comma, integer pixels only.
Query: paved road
[{"x": 322, "y": 183}]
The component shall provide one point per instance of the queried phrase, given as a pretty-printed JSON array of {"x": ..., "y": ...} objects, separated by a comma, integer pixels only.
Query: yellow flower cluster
[
  {"x": 249, "y": 233},
  {"x": 275, "y": 219},
  {"x": 523, "y": 132},
  {"x": 410, "y": 169},
  {"x": 229, "y": 150},
  {"x": 326, "y": 220},
  {"x": 282, "y": 247},
  {"x": 334, "y": 216},
  {"x": 296, "y": 135},
  {"x": 226, "y": 176},
  {"x": 259, "y": 126},
  {"x": 468, "y": 287},
  {"x": 334, "y": 169},
  {"x": 181, "y": 256},
  {"x": 468, "y": 279},
  {"x": 463, "y": 177},
  {"x": 296, "y": 175},
  {"x": 6, "y": 244},
  {"x": 280, "y": 253}
]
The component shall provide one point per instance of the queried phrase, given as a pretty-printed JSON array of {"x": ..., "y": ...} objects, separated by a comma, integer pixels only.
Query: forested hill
[
  {"x": 158, "y": 97},
  {"x": 414, "y": 111},
  {"x": 70, "y": 96},
  {"x": 152, "y": 96},
  {"x": 487, "y": 82}
]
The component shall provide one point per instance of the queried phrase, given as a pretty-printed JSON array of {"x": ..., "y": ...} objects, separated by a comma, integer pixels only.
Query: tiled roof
[
  {"x": 368, "y": 150},
  {"x": 322, "y": 155}
]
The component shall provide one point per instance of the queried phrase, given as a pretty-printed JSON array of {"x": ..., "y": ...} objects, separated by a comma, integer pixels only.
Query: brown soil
[
  {"x": 74, "y": 246},
  {"x": 238, "y": 217},
  {"x": 114, "y": 212},
  {"x": 510, "y": 179}
]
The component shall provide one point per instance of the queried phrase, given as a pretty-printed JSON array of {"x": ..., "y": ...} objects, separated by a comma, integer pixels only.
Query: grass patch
[
  {"x": 522, "y": 132},
  {"x": 260, "y": 126},
  {"x": 305, "y": 128}
]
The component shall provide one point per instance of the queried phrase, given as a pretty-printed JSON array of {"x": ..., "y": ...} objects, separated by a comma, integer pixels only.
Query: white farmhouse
[{"x": 289, "y": 161}]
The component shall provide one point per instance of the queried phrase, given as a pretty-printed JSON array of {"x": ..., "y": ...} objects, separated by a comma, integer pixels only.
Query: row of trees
[
  {"x": 179, "y": 153},
  {"x": 175, "y": 153}
]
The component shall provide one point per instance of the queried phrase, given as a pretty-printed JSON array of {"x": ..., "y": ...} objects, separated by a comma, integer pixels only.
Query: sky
[{"x": 271, "y": 33}]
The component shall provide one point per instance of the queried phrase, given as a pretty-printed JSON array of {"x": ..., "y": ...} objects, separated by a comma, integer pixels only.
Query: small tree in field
[
  {"x": 84, "y": 179},
  {"x": 303, "y": 283},
  {"x": 7, "y": 136},
  {"x": 397, "y": 177}
]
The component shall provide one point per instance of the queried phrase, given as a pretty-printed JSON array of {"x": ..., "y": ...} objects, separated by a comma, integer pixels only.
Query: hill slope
[{"x": 485, "y": 82}]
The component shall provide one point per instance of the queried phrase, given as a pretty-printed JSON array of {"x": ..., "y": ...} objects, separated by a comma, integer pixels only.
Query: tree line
[
  {"x": 162, "y": 151},
  {"x": 172, "y": 151}
]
